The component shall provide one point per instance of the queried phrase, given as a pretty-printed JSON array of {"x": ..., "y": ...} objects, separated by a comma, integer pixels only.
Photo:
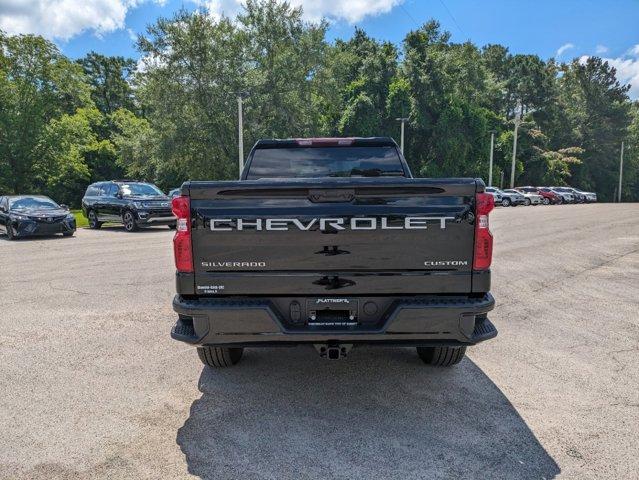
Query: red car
[{"x": 550, "y": 197}]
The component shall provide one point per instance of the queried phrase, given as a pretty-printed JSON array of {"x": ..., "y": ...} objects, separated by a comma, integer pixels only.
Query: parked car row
[
  {"x": 540, "y": 196},
  {"x": 136, "y": 204},
  {"x": 131, "y": 203}
]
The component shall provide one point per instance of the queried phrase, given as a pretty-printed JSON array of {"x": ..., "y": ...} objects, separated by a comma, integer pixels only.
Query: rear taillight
[
  {"x": 182, "y": 251},
  {"x": 483, "y": 238}
]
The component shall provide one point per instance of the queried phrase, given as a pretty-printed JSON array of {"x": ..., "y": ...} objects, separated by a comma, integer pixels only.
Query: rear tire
[
  {"x": 10, "y": 235},
  {"x": 546, "y": 201},
  {"x": 219, "y": 357},
  {"x": 505, "y": 202},
  {"x": 527, "y": 202},
  {"x": 67, "y": 234},
  {"x": 93, "y": 220},
  {"x": 441, "y": 356}
]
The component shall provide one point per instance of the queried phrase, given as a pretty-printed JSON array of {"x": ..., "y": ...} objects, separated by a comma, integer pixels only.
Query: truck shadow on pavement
[{"x": 381, "y": 413}]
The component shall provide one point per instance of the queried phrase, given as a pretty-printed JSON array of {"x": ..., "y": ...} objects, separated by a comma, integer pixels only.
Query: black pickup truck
[{"x": 330, "y": 242}]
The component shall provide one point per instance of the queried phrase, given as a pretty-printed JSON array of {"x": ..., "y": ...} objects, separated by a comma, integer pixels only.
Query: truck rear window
[{"x": 311, "y": 162}]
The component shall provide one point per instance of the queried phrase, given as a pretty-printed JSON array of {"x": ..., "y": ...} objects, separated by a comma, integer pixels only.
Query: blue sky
[{"x": 574, "y": 28}]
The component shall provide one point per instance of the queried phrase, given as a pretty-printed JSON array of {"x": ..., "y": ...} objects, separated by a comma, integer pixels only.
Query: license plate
[{"x": 332, "y": 311}]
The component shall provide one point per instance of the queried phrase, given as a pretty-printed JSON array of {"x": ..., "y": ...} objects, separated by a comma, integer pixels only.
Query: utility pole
[
  {"x": 403, "y": 120},
  {"x": 490, "y": 168},
  {"x": 240, "y": 134},
  {"x": 620, "y": 171},
  {"x": 517, "y": 121}
]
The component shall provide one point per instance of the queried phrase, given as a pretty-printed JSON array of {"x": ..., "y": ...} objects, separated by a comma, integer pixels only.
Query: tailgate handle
[{"x": 333, "y": 195}]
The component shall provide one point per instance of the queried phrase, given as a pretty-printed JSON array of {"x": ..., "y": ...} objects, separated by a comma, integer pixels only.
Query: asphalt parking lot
[{"x": 91, "y": 386}]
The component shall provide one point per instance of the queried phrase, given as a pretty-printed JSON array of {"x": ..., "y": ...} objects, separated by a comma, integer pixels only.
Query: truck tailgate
[{"x": 346, "y": 235}]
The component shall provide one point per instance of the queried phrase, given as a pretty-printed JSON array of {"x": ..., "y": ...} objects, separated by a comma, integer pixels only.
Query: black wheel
[
  {"x": 560, "y": 200},
  {"x": 219, "y": 357},
  {"x": 546, "y": 201},
  {"x": 505, "y": 202},
  {"x": 527, "y": 202},
  {"x": 128, "y": 219},
  {"x": 10, "y": 235},
  {"x": 93, "y": 220},
  {"x": 441, "y": 356},
  {"x": 67, "y": 234}
]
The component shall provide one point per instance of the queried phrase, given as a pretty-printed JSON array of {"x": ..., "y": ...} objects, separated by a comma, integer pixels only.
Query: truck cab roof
[{"x": 326, "y": 142}]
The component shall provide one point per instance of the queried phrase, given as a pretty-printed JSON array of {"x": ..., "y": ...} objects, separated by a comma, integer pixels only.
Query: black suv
[{"x": 132, "y": 203}]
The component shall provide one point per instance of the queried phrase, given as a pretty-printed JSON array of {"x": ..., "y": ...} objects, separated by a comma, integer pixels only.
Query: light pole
[
  {"x": 490, "y": 167},
  {"x": 240, "y": 130},
  {"x": 620, "y": 171},
  {"x": 403, "y": 120},
  {"x": 517, "y": 121}
]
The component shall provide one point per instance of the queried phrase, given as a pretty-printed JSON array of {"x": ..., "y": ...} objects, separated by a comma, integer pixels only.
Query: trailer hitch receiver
[{"x": 333, "y": 351}]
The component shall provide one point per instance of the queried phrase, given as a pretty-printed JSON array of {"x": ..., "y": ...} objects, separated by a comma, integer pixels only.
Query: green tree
[
  {"x": 630, "y": 187},
  {"x": 135, "y": 146},
  {"x": 598, "y": 112},
  {"x": 110, "y": 79},
  {"x": 282, "y": 53},
  {"x": 61, "y": 169},
  {"x": 37, "y": 85},
  {"x": 197, "y": 66},
  {"x": 450, "y": 119},
  {"x": 63, "y": 123},
  {"x": 537, "y": 162}
]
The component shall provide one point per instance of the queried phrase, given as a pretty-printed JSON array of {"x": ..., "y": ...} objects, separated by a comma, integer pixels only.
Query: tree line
[{"x": 173, "y": 115}]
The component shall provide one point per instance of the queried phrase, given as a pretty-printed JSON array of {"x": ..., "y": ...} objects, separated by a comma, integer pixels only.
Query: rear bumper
[{"x": 421, "y": 321}]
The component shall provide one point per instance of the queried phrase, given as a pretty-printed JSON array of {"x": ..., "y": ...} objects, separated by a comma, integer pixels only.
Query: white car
[
  {"x": 566, "y": 196},
  {"x": 590, "y": 196},
  {"x": 496, "y": 194},
  {"x": 531, "y": 198}
]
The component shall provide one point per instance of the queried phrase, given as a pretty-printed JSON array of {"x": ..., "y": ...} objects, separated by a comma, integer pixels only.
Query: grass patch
[{"x": 80, "y": 220}]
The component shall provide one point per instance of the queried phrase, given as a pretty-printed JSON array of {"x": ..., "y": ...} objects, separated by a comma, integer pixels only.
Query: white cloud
[
  {"x": 563, "y": 48},
  {"x": 600, "y": 49},
  {"x": 627, "y": 72},
  {"x": 627, "y": 67},
  {"x": 349, "y": 10},
  {"x": 63, "y": 19}
]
